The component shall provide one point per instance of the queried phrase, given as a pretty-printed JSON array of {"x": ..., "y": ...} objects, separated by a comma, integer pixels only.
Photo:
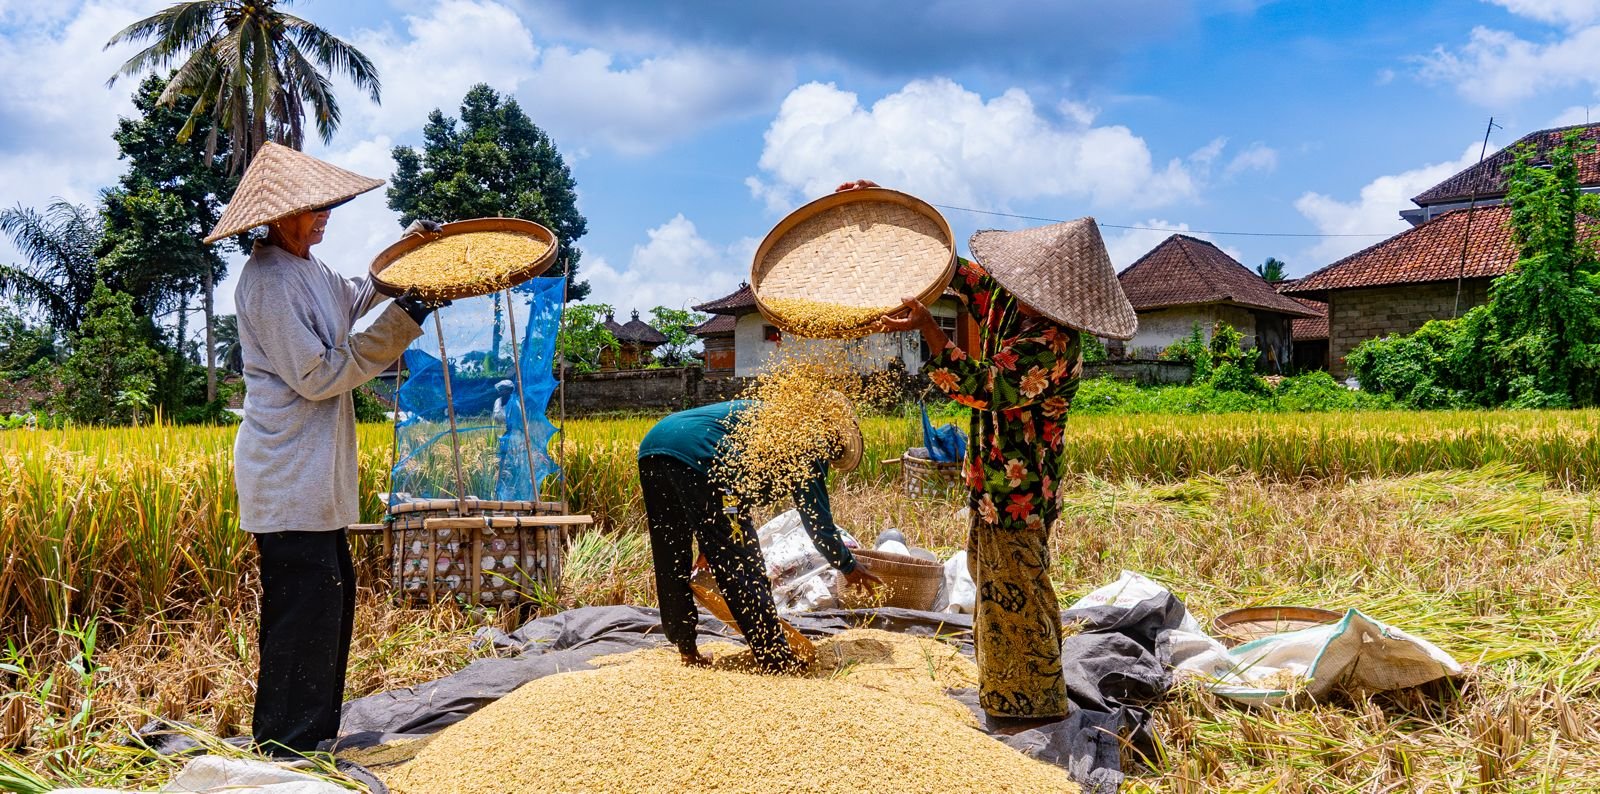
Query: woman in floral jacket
[{"x": 1032, "y": 293}]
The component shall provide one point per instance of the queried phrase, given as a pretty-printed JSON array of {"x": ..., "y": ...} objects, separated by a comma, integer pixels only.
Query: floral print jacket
[{"x": 1020, "y": 386}]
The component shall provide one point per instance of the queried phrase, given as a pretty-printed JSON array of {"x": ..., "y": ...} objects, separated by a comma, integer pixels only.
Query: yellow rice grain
[
  {"x": 481, "y": 261},
  {"x": 820, "y": 320},
  {"x": 644, "y": 722}
]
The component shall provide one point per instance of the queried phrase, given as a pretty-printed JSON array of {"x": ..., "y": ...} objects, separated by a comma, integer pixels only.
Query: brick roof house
[
  {"x": 637, "y": 340},
  {"x": 1185, "y": 281},
  {"x": 1433, "y": 271},
  {"x": 1487, "y": 180}
]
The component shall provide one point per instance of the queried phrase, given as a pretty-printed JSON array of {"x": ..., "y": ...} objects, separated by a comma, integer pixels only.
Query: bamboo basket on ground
[
  {"x": 859, "y": 252},
  {"x": 913, "y": 583},
  {"x": 922, "y": 476}
]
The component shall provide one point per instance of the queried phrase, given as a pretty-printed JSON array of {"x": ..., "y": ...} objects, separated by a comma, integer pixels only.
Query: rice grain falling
[
  {"x": 481, "y": 261},
  {"x": 874, "y": 719},
  {"x": 798, "y": 420},
  {"x": 820, "y": 320}
]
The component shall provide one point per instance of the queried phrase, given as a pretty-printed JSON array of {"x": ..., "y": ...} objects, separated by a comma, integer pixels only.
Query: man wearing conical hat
[
  {"x": 295, "y": 454},
  {"x": 1033, "y": 294}
]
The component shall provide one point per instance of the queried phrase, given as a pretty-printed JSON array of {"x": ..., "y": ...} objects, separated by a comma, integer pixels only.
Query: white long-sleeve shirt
[{"x": 295, "y": 461}]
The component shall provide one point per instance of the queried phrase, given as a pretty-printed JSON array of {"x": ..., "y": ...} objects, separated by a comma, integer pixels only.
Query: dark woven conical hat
[
  {"x": 281, "y": 182},
  {"x": 1063, "y": 272}
]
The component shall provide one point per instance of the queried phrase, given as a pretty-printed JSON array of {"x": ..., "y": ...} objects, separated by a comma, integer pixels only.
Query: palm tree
[
  {"x": 1272, "y": 270},
  {"x": 253, "y": 67},
  {"x": 61, "y": 270},
  {"x": 229, "y": 350}
]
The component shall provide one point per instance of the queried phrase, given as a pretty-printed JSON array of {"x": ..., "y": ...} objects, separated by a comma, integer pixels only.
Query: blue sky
[{"x": 693, "y": 127}]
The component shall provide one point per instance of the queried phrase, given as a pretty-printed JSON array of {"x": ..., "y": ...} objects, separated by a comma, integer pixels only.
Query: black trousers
[
  {"x": 308, "y": 606},
  {"x": 683, "y": 506}
]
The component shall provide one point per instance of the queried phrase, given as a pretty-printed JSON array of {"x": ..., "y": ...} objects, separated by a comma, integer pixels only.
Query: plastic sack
[
  {"x": 960, "y": 593},
  {"x": 945, "y": 443},
  {"x": 802, "y": 580},
  {"x": 1357, "y": 652},
  {"x": 210, "y": 773}
]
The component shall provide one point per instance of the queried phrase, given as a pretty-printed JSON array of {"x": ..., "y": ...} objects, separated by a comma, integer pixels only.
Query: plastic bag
[
  {"x": 960, "y": 593},
  {"x": 802, "y": 580},
  {"x": 945, "y": 443}
]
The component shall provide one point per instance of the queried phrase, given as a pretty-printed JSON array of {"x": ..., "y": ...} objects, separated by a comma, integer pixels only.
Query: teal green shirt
[{"x": 696, "y": 437}]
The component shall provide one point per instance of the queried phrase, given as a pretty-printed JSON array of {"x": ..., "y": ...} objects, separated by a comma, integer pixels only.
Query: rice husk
[
  {"x": 866, "y": 722},
  {"x": 486, "y": 260}
]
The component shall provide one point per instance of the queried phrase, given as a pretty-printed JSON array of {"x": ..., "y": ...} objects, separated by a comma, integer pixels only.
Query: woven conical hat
[
  {"x": 1063, "y": 272},
  {"x": 281, "y": 182},
  {"x": 852, "y": 447}
]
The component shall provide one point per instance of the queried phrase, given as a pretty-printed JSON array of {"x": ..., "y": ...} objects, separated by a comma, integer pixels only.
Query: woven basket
[
  {"x": 412, "y": 242},
  {"x": 926, "y": 477},
  {"x": 1252, "y": 623},
  {"x": 913, "y": 583},
  {"x": 484, "y": 564},
  {"x": 865, "y": 248}
]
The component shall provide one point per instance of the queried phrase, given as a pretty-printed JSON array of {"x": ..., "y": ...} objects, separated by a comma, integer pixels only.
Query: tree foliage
[
  {"x": 248, "y": 69},
  {"x": 584, "y": 336},
  {"x": 1536, "y": 343},
  {"x": 493, "y": 161},
  {"x": 61, "y": 270},
  {"x": 1272, "y": 270},
  {"x": 674, "y": 324},
  {"x": 162, "y": 207},
  {"x": 111, "y": 375}
]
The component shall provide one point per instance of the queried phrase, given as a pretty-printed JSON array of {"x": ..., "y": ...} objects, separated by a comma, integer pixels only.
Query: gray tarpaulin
[{"x": 1115, "y": 664}]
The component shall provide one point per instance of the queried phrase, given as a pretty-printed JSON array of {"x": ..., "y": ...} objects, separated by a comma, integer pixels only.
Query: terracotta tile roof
[
  {"x": 718, "y": 325},
  {"x": 1184, "y": 271},
  {"x": 1489, "y": 177},
  {"x": 1430, "y": 252},
  {"x": 634, "y": 331},
  {"x": 1310, "y": 328},
  {"x": 740, "y": 301}
]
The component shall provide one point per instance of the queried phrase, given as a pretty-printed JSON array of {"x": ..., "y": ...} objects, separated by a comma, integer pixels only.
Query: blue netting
[{"x": 483, "y": 387}]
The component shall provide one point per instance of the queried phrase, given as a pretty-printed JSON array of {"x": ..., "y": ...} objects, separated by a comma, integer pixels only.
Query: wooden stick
[
  {"x": 522, "y": 403},
  {"x": 450, "y": 406},
  {"x": 507, "y": 522}
]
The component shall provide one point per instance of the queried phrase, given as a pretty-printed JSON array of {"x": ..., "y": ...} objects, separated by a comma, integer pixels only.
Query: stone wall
[
  {"x": 677, "y": 388},
  {"x": 1356, "y": 315}
]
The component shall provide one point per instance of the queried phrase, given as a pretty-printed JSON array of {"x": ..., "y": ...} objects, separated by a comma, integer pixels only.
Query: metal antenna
[{"x": 1466, "y": 234}]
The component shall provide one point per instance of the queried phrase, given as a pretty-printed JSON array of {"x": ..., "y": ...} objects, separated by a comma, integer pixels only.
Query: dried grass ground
[{"x": 1496, "y": 565}]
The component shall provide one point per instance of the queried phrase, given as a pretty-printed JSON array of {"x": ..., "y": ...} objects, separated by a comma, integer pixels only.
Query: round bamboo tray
[
  {"x": 1247, "y": 625},
  {"x": 863, "y": 249},
  {"x": 412, "y": 242},
  {"x": 913, "y": 583}
]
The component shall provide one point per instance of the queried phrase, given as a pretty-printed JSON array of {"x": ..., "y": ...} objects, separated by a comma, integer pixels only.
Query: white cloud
[
  {"x": 1577, "y": 114},
  {"x": 1256, "y": 157},
  {"x": 1126, "y": 245},
  {"x": 657, "y": 272},
  {"x": 945, "y": 143},
  {"x": 1375, "y": 210},
  {"x": 583, "y": 97},
  {"x": 1563, "y": 12},
  {"x": 1496, "y": 67}
]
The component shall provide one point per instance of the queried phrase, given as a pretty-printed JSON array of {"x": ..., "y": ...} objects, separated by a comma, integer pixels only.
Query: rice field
[{"x": 126, "y": 591}]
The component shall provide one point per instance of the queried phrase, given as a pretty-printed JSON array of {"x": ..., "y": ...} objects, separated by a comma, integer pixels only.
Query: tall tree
[
  {"x": 1272, "y": 270},
  {"x": 248, "y": 67},
  {"x": 675, "y": 324},
  {"x": 159, "y": 212},
  {"x": 61, "y": 271},
  {"x": 113, "y": 368},
  {"x": 494, "y": 162}
]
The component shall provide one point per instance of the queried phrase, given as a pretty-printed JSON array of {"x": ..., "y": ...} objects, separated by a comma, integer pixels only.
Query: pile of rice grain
[
  {"x": 645, "y": 722},
  {"x": 483, "y": 260}
]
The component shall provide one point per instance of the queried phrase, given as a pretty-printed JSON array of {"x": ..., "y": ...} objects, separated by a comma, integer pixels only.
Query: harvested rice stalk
[
  {"x": 819, "y": 320},
  {"x": 647, "y": 723},
  {"x": 481, "y": 261}
]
